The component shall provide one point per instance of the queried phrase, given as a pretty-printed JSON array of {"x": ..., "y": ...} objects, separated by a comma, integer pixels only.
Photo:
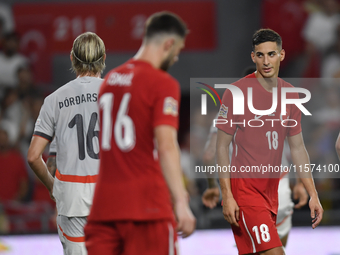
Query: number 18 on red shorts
[{"x": 257, "y": 231}]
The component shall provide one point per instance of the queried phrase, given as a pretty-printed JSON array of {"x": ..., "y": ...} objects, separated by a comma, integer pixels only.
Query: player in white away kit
[
  {"x": 211, "y": 196},
  {"x": 70, "y": 114}
]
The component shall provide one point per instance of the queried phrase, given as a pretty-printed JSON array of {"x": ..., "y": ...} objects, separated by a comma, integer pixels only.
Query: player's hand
[
  {"x": 186, "y": 221},
  {"x": 51, "y": 195},
  {"x": 211, "y": 197},
  {"x": 231, "y": 211},
  {"x": 316, "y": 211},
  {"x": 300, "y": 193}
]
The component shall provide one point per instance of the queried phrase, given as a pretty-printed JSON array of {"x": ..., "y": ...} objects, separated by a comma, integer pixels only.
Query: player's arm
[
  {"x": 51, "y": 164},
  {"x": 337, "y": 146},
  {"x": 209, "y": 157},
  {"x": 169, "y": 157},
  {"x": 211, "y": 195},
  {"x": 230, "y": 207},
  {"x": 36, "y": 162},
  {"x": 300, "y": 158}
]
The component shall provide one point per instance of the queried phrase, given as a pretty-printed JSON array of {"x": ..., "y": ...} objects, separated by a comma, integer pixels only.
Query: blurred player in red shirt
[
  {"x": 139, "y": 155},
  {"x": 250, "y": 201}
]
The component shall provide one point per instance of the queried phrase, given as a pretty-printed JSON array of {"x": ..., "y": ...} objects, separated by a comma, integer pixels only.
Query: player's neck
[
  {"x": 150, "y": 54},
  {"x": 267, "y": 83},
  {"x": 98, "y": 75}
]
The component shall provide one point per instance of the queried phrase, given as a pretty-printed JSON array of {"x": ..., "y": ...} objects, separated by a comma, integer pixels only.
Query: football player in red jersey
[
  {"x": 139, "y": 183},
  {"x": 250, "y": 203},
  {"x": 211, "y": 195}
]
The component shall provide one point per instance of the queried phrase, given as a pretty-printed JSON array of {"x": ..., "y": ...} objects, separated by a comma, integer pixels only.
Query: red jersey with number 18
[
  {"x": 134, "y": 99},
  {"x": 258, "y": 142}
]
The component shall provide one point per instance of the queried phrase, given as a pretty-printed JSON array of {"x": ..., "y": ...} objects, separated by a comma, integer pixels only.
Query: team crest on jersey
[
  {"x": 223, "y": 111},
  {"x": 170, "y": 106}
]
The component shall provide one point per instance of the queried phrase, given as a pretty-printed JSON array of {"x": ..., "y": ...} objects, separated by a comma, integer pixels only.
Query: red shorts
[
  {"x": 257, "y": 231},
  {"x": 131, "y": 237}
]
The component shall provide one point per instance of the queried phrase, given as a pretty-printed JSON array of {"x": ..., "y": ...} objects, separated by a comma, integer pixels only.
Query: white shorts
[
  {"x": 284, "y": 227},
  {"x": 285, "y": 210},
  {"x": 71, "y": 234}
]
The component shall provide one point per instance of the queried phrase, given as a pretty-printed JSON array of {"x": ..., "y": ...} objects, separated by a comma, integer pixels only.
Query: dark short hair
[
  {"x": 165, "y": 22},
  {"x": 266, "y": 35}
]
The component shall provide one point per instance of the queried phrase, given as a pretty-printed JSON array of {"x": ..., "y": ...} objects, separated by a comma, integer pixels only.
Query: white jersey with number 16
[{"x": 70, "y": 114}]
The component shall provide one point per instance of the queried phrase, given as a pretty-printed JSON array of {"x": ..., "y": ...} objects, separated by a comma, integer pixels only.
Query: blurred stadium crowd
[
  {"x": 25, "y": 206},
  {"x": 312, "y": 43}
]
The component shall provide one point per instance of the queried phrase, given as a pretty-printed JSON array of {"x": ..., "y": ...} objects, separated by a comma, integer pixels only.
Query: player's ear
[
  {"x": 252, "y": 56},
  {"x": 71, "y": 57},
  {"x": 104, "y": 57},
  {"x": 282, "y": 55},
  {"x": 168, "y": 44}
]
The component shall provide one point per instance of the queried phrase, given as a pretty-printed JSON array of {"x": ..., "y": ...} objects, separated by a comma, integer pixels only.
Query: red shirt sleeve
[
  {"x": 166, "y": 103},
  {"x": 225, "y": 114}
]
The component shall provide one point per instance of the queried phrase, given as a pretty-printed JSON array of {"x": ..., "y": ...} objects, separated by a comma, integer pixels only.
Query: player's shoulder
[
  {"x": 167, "y": 79},
  {"x": 242, "y": 84},
  {"x": 60, "y": 91},
  {"x": 123, "y": 67},
  {"x": 145, "y": 69},
  {"x": 133, "y": 70},
  {"x": 245, "y": 81},
  {"x": 165, "y": 83},
  {"x": 285, "y": 84},
  {"x": 73, "y": 85}
]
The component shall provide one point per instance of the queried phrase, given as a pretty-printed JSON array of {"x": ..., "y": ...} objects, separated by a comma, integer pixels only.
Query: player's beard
[{"x": 167, "y": 63}]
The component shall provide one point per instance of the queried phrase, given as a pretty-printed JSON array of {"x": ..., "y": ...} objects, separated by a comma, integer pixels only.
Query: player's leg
[
  {"x": 150, "y": 237},
  {"x": 257, "y": 231},
  {"x": 284, "y": 240},
  {"x": 283, "y": 229},
  {"x": 71, "y": 234},
  {"x": 274, "y": 251},
  {"x": 61, "y": 236},
  {"x": 102, "y": 238},
  {"x": 285, "y": 211}
]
